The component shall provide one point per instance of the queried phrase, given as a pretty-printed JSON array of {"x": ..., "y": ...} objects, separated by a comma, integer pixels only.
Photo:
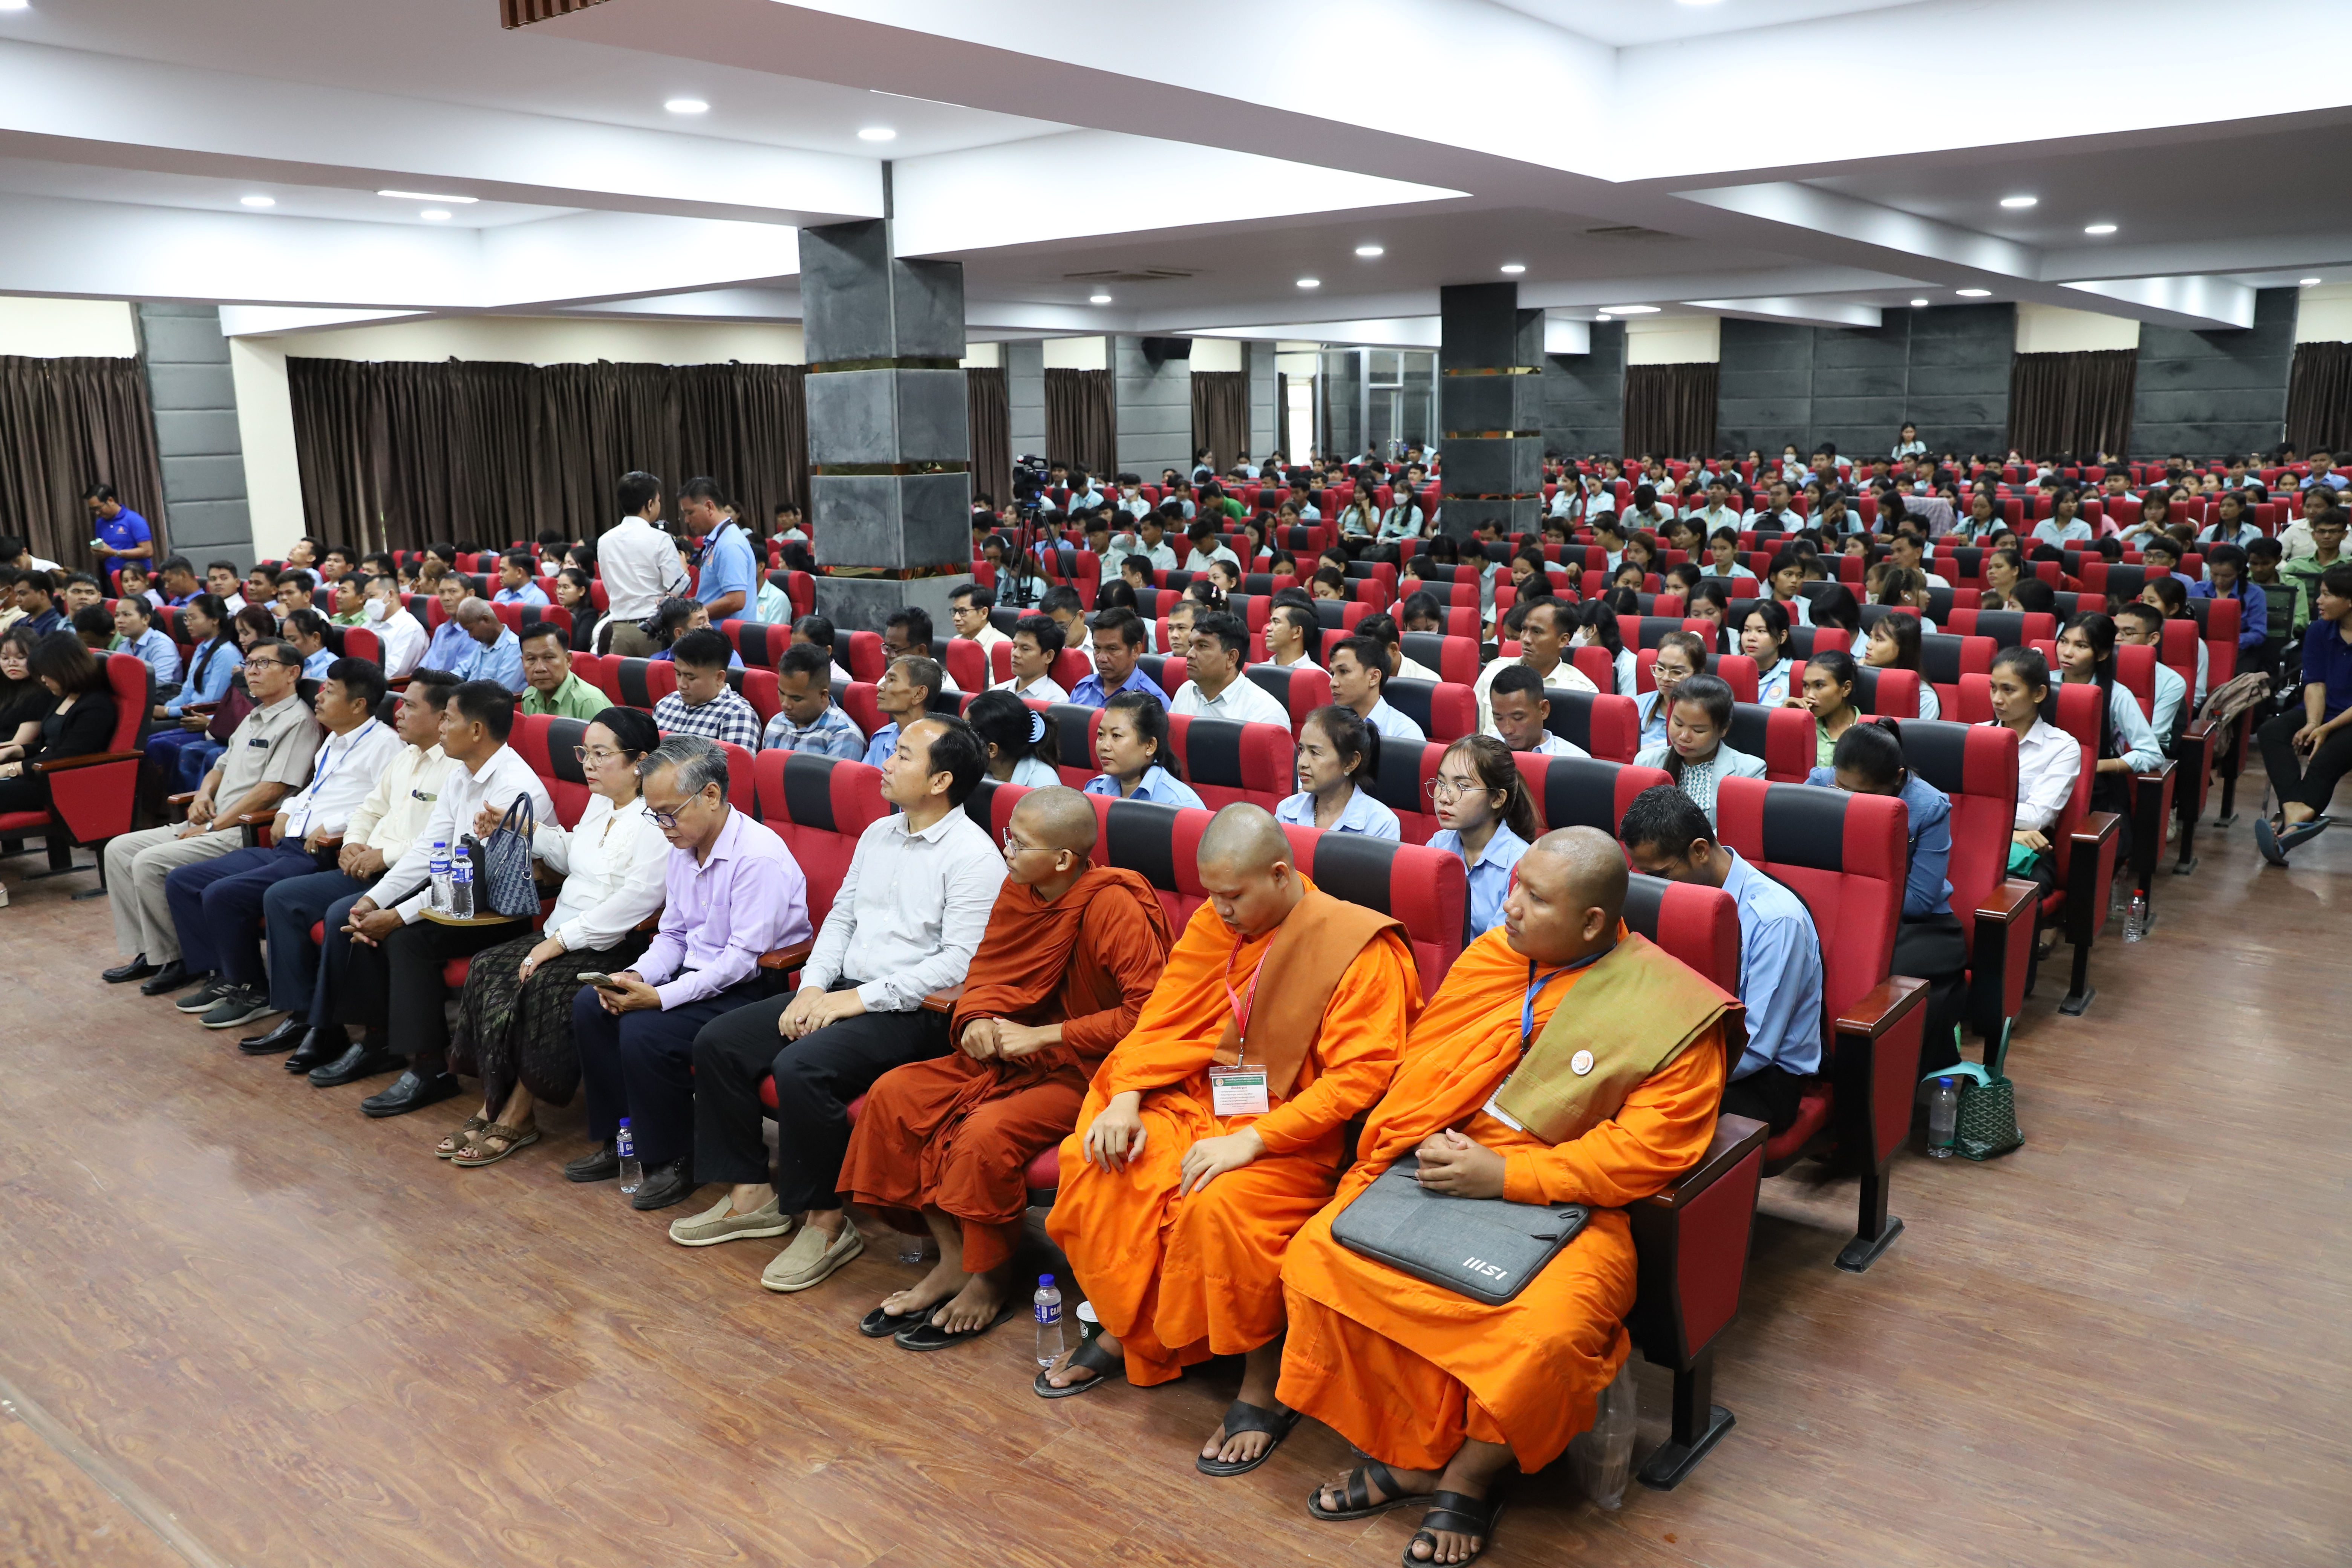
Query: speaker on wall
[{"x": 1159, "y": 350}]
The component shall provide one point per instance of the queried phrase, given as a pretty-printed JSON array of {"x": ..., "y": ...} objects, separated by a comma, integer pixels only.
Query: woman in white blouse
[
  {"x": 2049, "y": 759},
  {"x": 514, "y": 1021}
]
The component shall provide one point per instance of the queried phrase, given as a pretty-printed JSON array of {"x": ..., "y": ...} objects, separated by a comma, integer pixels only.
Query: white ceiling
[{"x": 1628, "y": 21}]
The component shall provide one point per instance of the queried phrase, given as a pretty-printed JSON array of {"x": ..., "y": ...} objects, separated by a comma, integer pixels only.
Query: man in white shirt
[
  {"x": 1216, "y": 688},
  {"x": 218, "y": 904},
  {"x": 909, "y": 914},
  {"x": 1520, "y": 710},
  {"x": 1906, "y": 550},
  {"x": 2144, "y": 625},
  {"x": 968, "y": 608},
  {"x": 1037, "y": 642},
  {"x": 1290, "y": 631},
  {"x": 1207, "y": 548},
  {"x": 1382, "y": 630},
  {"x": 403, "y": 634},
  {"x": 1149, "y": 540},
  {"x": 1356, "y": 676},
  {"x": 639, "y": 565},
  {"x": 1543, "y": 645},
  {"x": 394, "y": 986},
  {"x": 1130, "y": 497}
]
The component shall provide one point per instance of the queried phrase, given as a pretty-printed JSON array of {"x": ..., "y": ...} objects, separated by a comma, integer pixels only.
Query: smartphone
[{"x": 604, "y": 982}]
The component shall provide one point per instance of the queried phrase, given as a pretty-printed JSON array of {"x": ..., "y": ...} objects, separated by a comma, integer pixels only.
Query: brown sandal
[
  {"x": 515, "y": 1138},
  {"x": 455, "y": 1144}
]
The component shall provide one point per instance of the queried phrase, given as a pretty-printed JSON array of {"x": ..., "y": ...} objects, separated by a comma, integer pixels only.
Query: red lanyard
[{"x": 1242, "y": 1004}]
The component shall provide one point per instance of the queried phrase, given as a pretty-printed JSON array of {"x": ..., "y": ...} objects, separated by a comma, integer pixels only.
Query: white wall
[
  {"x": 983, "y": 356},
  {"x": 2324, "y": 316},
  {"x": 2054, "y": 329},
  {"x": 65, "y": 329},
  {"x": 265, "y": 422},
  {"x": 545, "y": 340},
  {"x": 1077, "y": 354},
  {"x": 1674, "y": 339},
  {"x": 1216, "y": 353}
]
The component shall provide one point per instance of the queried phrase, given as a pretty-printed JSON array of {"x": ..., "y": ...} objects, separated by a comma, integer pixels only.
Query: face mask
[{"x": 372, "y": 610}]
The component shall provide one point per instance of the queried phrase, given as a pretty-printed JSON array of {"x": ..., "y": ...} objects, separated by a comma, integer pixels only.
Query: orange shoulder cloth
[{"x": 1024, "y": 954}]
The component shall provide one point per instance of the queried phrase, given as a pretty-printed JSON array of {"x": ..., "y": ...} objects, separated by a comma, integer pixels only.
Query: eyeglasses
[
  {"x": 1443, "y": 788},
  {"x": 251, "y": 664},
  {"x": 602, "y": 753},
  {"x": 1014, "y": 846}
]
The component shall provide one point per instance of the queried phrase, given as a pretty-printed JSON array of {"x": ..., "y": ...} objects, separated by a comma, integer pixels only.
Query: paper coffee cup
[{"x": 1089, "y": 1324}]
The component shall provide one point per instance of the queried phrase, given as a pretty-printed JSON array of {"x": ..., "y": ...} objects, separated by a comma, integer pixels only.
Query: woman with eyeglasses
[
  {"x": 514, "y": 1020},
  {"x": 1490, "y": 820}
]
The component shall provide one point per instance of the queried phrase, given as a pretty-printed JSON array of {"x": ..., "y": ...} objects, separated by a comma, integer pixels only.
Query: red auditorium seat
[
  {"x": 1783, "y": 737},
  {"x": 96, "y": 804},
  {"x": 1976, "y": 766},
  {"x": 1584, "y": 792},
  {"x": 1226, "y": 762},
  {"x": 1607, "y": 727},
  {"x": 1444, "y": 710},
  {"x": 1301, "y": 690}
]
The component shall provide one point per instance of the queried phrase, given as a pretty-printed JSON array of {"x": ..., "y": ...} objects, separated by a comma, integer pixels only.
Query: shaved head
[
  {"x": 1596, "y": 865},
  {"x": 1246, "y": 868},
  {"x": 1568, "y": 896},
  {"x": 1058, "y": 817},
  {"x": 1244, "y": 839},
  {"x": 474, "y": 612}
]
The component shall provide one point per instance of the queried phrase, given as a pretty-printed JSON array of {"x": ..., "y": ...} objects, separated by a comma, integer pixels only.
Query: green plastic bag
[{"x": 1987, "y": 1124}]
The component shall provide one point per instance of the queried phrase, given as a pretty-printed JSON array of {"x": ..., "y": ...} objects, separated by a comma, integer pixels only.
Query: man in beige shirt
[{"x": 269, "y": 758}]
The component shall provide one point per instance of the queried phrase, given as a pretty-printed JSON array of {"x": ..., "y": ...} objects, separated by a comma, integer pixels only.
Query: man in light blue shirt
[
  {"x": 728, "y": 583},
  {"x": 902, "y": 694},
  {"x": 806, "y": 717},
  {"x": 1117, "y": 644},
  {"x": 497, "y": 654},
  {"x": 1668, "y": 836},
  {"x": 519, "y": 580}
]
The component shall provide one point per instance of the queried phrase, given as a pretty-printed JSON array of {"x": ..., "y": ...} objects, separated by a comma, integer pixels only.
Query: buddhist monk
[
  {"x": 1214, "y": 1129},
  {"x": 1070, "y": 954},
  {"x": 1562, "y": 1061}
]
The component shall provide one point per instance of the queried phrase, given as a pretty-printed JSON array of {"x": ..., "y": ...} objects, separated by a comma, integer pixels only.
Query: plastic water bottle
[
  {"x": 1047, "y": 1305},
  {"x": 2135, "y": 918},
  {"x": 438, "y": 869},
  {"x": 1943, "y": 1117},
  {"x": 910, "y": 1248},
  {"x": 633, "y": 1170},
  {"x": 461, "y": 888}
]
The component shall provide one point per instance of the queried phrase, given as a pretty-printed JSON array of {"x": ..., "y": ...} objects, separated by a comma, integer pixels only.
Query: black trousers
[
  {"x": 1769, "y": 1095},
  {"x": 640, "y": 1066},
  {"x": 2297, "y": 780},
  {"x": 816, "y": 1078},
  {"x": 1931, "y": 948},
  {"x": 396, "y": 987}
]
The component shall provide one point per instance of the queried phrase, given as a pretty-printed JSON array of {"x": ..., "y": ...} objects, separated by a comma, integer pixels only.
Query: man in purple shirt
[{"x": 733, "y": 891}]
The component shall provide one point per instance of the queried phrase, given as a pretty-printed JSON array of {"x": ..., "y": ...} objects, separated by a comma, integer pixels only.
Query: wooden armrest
[
  {"x": 261, "y": 818},
  {"x": 179, "y": 799},
  {"x": 943, "y": 1001},
  {"x": 1734, "y": 1137},
  {"x": 89, "y": 760},
  {"x": 785, "y": 958},
  {"x": 1878, "y": 1010},
  {"x": 188, "y": 708},
  {"x": 2011, "y": 900},
  {"x": 2098, "y": 828},
  {"x": 2155, "y": 776},
  {"x": 2200, "y": 729}
]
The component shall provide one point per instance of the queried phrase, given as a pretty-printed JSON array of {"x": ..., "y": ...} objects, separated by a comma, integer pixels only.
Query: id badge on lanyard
[
  {"x": 1239, "y": 1090},
  {"x": 1526, "y": 1031}
]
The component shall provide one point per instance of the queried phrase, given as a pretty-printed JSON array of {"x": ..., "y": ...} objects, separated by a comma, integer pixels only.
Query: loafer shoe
[
  {"x": 812, "y": 1256},
  {"x": 603, "y": 1166},
  {"x": 362, "y": 1061},
  {"x": 284, "y": 1037},
  {"x": 324, "y": 1043},
  {"x": 123, "y": 974},
  {"x": 242, "y": 1004},
  {"x": 664, "y": 1186},
  {"x": 173, "y": 976},
  {"x": 409, "y": 1092},
  {"x": 715, "y": 1225},
  {"x": 207, "y": 996}
]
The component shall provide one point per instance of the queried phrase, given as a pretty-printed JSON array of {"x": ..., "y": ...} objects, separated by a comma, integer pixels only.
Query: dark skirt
[{"x": 510, "y": 1029}]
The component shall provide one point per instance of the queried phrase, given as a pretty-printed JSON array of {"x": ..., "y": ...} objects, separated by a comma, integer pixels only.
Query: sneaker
[
  {"x": 241, "y": 1005},
  {"x": 206, "y": 996},
  {"x": 811, "y": 1258},
  {"x": 715, "y": 1225}
]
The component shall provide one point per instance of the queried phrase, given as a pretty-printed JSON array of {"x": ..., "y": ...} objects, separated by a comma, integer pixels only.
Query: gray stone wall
[
  {"x": 1155, "y": 410},
  {"x": 195, "y": 398},
  {"x": 1945, "y": 369},
  {"x": 1025, "y": 393},
  {"x": 1265, "y": 418},
  {"x": 2208, "y": 394},
  {"x": 1584, "y": 396}
]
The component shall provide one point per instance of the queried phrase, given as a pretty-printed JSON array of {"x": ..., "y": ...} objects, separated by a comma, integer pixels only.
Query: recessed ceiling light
[
  {"x": 1097, "y": 298},
  {"x": 2306, "y": 282},
  {"x": 258, "y": 201},
  {"x": 428, "y": 196},
  {"x": 434, "y": 215},
  {"x": 1513, "y": 267},
  {"x": 2098, "y": 228},
  {"x": 15, "y": 5},
  {"x": 1698, "y": 1},
  {"x": 1310, "y": 282},
  {"x": 876, "y": 134},
  {"x": 1918, "y": 301},
  {"x": 1633, "y": 310},
  {"x": 686, "y": 106},
  {"x": 2019, "y": 201},
  {"x": 1973, "y": 293},
  {"x": 1369, "y": 251},
  {"x": 1602, "y": 316}
]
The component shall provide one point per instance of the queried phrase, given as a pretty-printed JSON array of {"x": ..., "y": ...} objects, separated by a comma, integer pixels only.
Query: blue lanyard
[
  {"x": 1527, "y": 1008},
  {"x": 335, "y": 760}
]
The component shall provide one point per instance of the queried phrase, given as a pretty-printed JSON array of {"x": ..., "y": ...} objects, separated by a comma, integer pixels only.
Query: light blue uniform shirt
[
  {"x": 1392, "y": 724},
  {"x": 1926, "y": 890},
  {"x": 529, "y": 593},
  {"x": 315, "y": 667},
  {"x": 1362, "y": 815},
  {"x": 207, "y": 681},
  {"x": 157, "y": 652},
  {"x": 451, "y": 649},
  {"x": 727, "y": 567},
  {"x": 1772, "y": 685},
  {"x": 885, "y": 741},
  {"x": 1089, "y": 693},
  {"x": 1780, "y": 974},
  {"x": 500, "y": 661},
  {"x": 1159, "y": 786},
  {"x": 1490, "y": 876},
  {"x": 833, "y": 735}
]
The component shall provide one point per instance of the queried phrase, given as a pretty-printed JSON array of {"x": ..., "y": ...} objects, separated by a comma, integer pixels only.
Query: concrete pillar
[
  {"x": 1490, "y": 416},
  {"x": 889, "y": 441}
]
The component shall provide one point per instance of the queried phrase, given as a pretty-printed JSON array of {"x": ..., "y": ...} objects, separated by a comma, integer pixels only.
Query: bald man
[
  {"x": 497, "y": 652},
  {"x": 1213, "y": 1131},
  {"x": 1069, "y": 957},
  {"x": 1563, "y": 1061}
]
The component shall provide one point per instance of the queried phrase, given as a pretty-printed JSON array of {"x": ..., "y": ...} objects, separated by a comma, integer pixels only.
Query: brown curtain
[
  {"x": 65, "y": 425},
  {"x": 988, "y": 410},
  {"x": 1221, "y": 414},
  {"x": 1081, "y": 421},
  {"x": 2319, "y": 397},
  {"x": 1670, "y": 409},
  {"x": 2069, "y": 402},
  {"x": 395, "y": 455}
]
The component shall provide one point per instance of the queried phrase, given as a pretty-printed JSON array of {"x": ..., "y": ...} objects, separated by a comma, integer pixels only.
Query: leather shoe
[
  {"x": 122, "y": 973},
  {"x": 409, "y": 1092},
  {"x": 173, "y": 976},
  {"x": 324, "y": 1043},
  {"x": 289, "y": 1033},
  {"x": 362, "y": 1061},
  {"x": 666, "y": 1184},
  {"x": 604, "y": 1165}
]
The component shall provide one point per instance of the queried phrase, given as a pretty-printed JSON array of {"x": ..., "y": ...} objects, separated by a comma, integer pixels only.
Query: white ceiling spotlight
[
  {"x": 1973, "y": 293},
  {"x": 2098, "y": 228},
  {"x": 1918, "y": 302},
  {"x": 1369, "y": 251},
  {"x": 428, "y": 196},
  {"x": 1514, "y": 268},
  {"x": 685, "y": 106},
  {"x": 2306, "y": 282},
  {"x": 434, "y": 215},
  {"x": 1097, "y": 298},
  {"x": 1310, "y": 282},
  {"x": 2019, "y": 202},
  {"x": 877, "y": 133},
  {"x": 15, "y": 5},
  {"x": 258, "y": 201},
  {"x": 1631, "y": 310}
]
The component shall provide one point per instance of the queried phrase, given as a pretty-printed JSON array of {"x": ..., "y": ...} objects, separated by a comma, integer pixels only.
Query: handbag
[
  {"x": 230, "y": 712},
  {"x": 506, "y": 881},
  {"x": 1987, "y": 1123},
  {"x": 1485, "y": 1248}
]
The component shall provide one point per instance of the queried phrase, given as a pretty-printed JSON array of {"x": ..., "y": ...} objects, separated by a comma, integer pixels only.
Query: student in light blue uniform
[
  {"x": 1481, "y": 798},
  {"x": 1334, "y": 755},
  {"x": 1765, "y": 639},
  {"x": 1131, "y": 745}
]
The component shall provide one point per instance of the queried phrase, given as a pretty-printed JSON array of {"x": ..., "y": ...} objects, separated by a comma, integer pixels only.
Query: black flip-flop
[
  {"x": 2298, "y": 835},
  {"x": 1095, "y": 1359},
  {"x": 926, "y": 1335},
  {"x": 1240, "y": 1417},
  {"x": 1358, "y": 1495},
  {"x": 1462, "y": 1515},
  {"x": 878, "y": 1325}
]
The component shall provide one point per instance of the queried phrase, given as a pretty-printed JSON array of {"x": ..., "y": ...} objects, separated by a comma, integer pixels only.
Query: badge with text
[{"x": 1237, "y": 1091}]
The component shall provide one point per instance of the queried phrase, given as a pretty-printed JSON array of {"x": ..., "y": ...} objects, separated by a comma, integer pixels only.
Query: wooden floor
[{"x": 294, "y": 1336}]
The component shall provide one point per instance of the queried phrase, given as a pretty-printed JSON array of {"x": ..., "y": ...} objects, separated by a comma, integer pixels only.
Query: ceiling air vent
[{"x": 1627, "y": 231}]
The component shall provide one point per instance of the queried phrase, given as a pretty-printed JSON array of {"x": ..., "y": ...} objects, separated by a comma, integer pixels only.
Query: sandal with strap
[
  {"x": 1358, "y": 1495},
  {"x": 1240, "y": 1417},
  {"x": 456, "y": 1142},
  {"x": 1462, "y": 1514},
  {"x": 1093, "y": 1358},
  {"x": 473, "y": 1156},
  {"x": 926, "y": 1335}
]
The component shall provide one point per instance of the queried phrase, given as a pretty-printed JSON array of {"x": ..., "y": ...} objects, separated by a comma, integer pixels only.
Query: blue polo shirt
[
  {"x": 125, "y": 529},
  {"x": 1089, "y": 693},
  {"x": 2327, "y": 664},
  {"x": 1780, "y": 974},
  {"x": 727, "y": 567}
]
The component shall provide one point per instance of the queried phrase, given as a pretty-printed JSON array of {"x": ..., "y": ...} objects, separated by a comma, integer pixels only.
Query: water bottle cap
[
  {"x": 624, "y": 1121},
  {"x": 1044, "y": 1281}
]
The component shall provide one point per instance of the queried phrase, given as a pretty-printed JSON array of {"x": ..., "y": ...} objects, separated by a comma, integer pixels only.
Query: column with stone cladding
[{"x": 1490, "y": 409}]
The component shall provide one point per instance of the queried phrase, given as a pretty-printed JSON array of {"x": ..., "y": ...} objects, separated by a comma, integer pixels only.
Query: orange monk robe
[
  {"x": 958, "y": 1135},
  {"x": 1179, "y": 1279},
  {"x": 1406, "y": 1370}
]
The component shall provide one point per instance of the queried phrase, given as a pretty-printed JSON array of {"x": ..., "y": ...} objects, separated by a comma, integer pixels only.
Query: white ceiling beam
[
  {"x": 1381, "y": 332},
  {"x": 1813, "y": 312},
  {"x": 2200, "y": 303},
  {"x": 269, "y": 320}
]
